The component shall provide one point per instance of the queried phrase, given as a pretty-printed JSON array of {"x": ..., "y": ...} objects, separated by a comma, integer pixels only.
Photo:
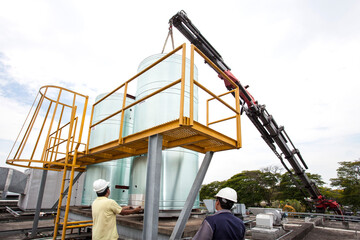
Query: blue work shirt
[{"x": 222, "y": 225}]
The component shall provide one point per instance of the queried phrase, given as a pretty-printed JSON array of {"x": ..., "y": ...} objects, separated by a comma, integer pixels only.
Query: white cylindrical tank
[
  {"x": 109, "y": 130},
  {"x": 163, "y": 107},
  {"x": 179, "y": 165},
  {"x": 115, "y": 171}
]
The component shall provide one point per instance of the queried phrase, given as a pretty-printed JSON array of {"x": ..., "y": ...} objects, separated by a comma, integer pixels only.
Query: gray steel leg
[
  {"x": 38, "y": 205},
  {"x": 153, "y": 175},
  {"x": 189, "y": 203}
]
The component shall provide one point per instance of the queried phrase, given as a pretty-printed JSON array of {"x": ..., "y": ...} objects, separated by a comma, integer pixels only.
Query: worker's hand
[{"x": 138, "y": 209}]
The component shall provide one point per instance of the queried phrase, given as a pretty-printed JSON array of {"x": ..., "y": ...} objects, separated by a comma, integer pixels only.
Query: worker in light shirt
[
  {"x": 223, "y": 224},
  {"x": 104, "y": 211}
]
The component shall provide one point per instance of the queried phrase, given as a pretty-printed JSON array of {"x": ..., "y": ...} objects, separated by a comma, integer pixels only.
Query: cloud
[{"x": 14, "y": 117}]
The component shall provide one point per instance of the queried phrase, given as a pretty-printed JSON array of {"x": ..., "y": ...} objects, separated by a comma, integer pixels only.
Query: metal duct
[
  {"x": 12, "y": 180},
  {"x": 29, "y": 198}
]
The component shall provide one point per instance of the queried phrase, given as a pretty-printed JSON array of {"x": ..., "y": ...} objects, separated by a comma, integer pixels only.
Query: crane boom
[{"x": 273, "y": 134}]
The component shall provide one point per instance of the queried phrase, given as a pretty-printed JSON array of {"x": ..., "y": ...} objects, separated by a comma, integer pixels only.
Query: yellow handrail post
[
  {"x": 123, "y": 114},
  {"x": 238, "y": 119},
  {"x": 83, "y": 119},
  {"x": 207, "y": 112},
  {"x": 182, "y": 94},
  {"x": 90, "y": 126},
  {"x": 192, "y": 66}
]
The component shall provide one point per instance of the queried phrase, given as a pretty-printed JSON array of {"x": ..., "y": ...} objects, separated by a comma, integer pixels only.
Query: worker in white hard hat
[
  {"x": 104, "y": 211},
  {"x": 223, "y": 224}
]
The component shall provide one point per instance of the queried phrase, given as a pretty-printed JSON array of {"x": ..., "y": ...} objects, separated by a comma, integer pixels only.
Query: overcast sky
[{"x": 300, "y": 58}]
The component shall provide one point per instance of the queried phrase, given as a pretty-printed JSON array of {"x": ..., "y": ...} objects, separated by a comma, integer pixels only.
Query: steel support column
[
  {"x": 153, "y": 175},
  {"x": 39, "y": 202},
  {"x": 189, "y": 203}
]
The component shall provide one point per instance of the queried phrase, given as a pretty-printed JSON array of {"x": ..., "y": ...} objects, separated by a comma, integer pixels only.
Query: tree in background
[
  {"x": 268, "y": 184},
  {"x": 210, "y": 190},
  {"x": 295, "y": 204},
  {"x": 348, "y": 179},
  {"x": 255, "y": 186},
  {"x": 334, "y": 194},
  {"x": 289, "y": 190},
  {"x": 249, "y": 187},
  {"x": 271, "y": 175}
]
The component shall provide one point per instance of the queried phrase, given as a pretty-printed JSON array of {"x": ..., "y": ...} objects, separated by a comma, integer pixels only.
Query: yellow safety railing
[
  {"x": 236, "y": 110},
  {"x": 78, "y": 224},
  {"x": 125, "y": 87},
  {"x": 182, "y": 119},
  {"x": 56, "y": 133}
]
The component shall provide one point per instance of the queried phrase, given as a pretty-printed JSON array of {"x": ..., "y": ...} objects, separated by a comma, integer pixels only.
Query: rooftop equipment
[
  {"x": 28, "y": 200},
  {"x": 12, "y": 180}
]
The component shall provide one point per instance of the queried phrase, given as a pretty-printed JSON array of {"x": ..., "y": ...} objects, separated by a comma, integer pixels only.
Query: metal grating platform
[{"x": 196, "y": 137}]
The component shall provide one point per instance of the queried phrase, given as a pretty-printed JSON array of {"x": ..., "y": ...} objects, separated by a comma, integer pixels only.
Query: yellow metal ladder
[{"x": 65, "y": 224}]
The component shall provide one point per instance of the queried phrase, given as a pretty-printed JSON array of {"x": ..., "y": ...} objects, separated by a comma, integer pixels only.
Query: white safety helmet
[
  {"x": 227, "y": 193},
  {"x": 100, "y": 185}
]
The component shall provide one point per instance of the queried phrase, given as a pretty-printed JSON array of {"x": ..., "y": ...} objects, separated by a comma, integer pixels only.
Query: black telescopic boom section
[
  {"x": 272, "y": 133},
  {"x": 184, "y": 25},
  {"x": 263, "y": 121}
]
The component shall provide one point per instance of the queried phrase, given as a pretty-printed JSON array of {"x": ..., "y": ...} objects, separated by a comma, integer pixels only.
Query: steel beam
[
  {"x": 153, "y": 175},
  {"x": 39, "y": 202},
  {"x": 189, "y": 203}
]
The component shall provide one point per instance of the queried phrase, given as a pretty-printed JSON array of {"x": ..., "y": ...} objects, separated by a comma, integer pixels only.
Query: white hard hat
[
  {"x": 100, "y": 185},
  {"x": 227, "y": 193}
]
